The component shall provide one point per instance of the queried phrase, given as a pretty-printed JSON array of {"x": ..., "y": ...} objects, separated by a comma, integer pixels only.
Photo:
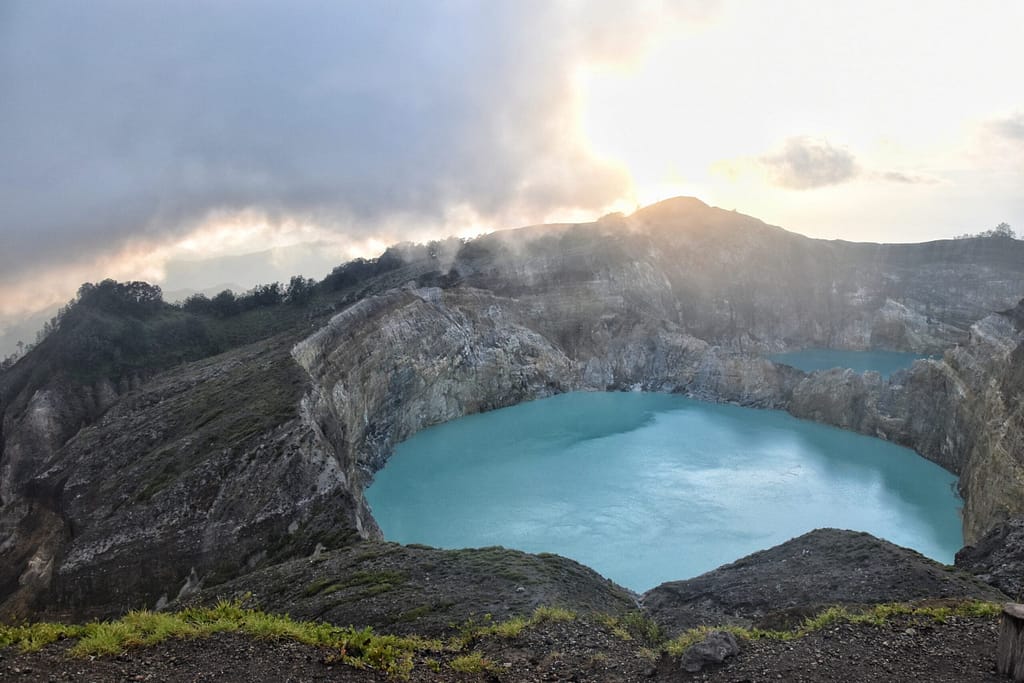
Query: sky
[{"x": 198, "y": 143}]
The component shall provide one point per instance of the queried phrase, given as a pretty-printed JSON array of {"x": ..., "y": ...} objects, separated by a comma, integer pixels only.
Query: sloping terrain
[
  {"x": 427, "y": 591},
  {"x": 783, "y": 585}
]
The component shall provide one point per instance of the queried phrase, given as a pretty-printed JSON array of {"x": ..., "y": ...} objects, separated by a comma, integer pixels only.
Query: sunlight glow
[
  {"x": 702, "y": 108},
  {"x": 708, "y": 103}
]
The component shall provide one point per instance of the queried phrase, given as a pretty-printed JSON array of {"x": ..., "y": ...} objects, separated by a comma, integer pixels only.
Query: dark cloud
[
  {"x": 132, "y": 120},
  {"x": 805, "y": 163}
]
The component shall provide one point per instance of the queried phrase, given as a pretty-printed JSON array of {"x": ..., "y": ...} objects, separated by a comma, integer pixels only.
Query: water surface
[
  {"x": 883, "y": 362},
  {"x": 647, "y": 488}
]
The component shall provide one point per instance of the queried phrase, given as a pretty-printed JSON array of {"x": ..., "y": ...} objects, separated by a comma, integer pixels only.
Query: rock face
[
  {"x": 998, "y": 558},
  {"x": 963, "y": 412},
  {"x": 795, "y": 579},
  {"x": 536, "y": 314},
  {"x": 126, "y": 493},
  {"x": 415, "y": 589},
  {"x": 169, "y": 481}
]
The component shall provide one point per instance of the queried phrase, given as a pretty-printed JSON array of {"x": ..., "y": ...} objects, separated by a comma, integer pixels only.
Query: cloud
[
  {"x": 907, "y": 178},
  {"x": 1011, "y": 127},
  {"x": 125, "y": 122},
  {"x": 995, "y": 148},
  {"x": 805, "y": 163}
]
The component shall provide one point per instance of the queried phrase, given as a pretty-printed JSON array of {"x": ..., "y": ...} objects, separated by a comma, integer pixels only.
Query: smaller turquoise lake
[
  {"x": 647, "y": 488},
  {"x": 883, "y": 362}
]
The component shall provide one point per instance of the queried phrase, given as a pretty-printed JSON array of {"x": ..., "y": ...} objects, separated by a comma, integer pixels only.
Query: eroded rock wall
[
  {"x": 199, "y": 475},
  {"x": 411, "y": 358},
  {"x": 962, "y": 412},
  {"x": 428, "y": 355}
]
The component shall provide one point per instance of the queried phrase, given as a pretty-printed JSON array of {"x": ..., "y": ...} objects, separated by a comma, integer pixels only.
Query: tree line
[
  {"x": 1001, "y": 230},
  {"x": 137, "y": 300}
]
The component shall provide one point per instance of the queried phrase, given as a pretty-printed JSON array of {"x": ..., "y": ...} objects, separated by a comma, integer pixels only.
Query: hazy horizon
[{"x": 237, "y": 272}]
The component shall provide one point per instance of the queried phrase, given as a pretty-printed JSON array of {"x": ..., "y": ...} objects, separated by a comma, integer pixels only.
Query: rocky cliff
[
  {"x": 535, "y": 316},
  {"x": 120, "y": 493},
  {"x": 963, "y": 412}
]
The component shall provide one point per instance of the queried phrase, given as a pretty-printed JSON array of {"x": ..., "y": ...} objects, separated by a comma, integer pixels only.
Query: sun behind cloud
[
  {"x": 806, "y": 115},
  {"x": 862, "y": 120}
]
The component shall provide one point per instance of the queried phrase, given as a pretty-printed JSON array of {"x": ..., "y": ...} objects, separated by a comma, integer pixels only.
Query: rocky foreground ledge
[
  {"x": 415, "y": 589},
  {"x": 497, "y": 614},
  {"x": 905, "y": 648}
]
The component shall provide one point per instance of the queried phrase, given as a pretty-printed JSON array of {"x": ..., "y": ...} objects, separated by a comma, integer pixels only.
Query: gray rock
[
  {"x": 998, "y": 558},
  {"x": 780, "y": 586},
  {"x": 716, "y": 647},
  {"x": 416, "y": 589}
]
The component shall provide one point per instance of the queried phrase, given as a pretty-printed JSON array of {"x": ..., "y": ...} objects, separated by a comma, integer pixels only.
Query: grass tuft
[
  {"x": 634, "y": 626},
  {"x": 553, "y": 614},
  {"x": 362, "y": 649},
  {"x": 473, "y": 663},
  {"x": 507, "y": 629},
  {"x": 106, "y": 638},
  {"x": 33, "y": 637}
]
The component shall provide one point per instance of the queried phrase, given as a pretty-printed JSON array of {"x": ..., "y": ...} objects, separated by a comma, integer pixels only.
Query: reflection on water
[{"x": 646, "y": 488}]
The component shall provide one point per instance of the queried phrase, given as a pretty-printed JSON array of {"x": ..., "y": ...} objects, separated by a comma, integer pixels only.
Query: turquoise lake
[
  {"x": 647, "y": 487},
  {"x": 884, "y": 362}
]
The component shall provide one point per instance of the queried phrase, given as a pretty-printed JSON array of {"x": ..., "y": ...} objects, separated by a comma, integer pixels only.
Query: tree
[
  {"x": 299, "y": 290},
  {"x": 266, "y": 295},
  {"x": 351, "y": 273},
  {"x": 132, "y": 298},
  {"x": 224, "y": 304},
  {"x": 198, "y": 303},
  {"x": 1003, "y": 230}
]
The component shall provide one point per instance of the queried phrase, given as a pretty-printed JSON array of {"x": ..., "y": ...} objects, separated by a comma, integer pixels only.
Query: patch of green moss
[
  {"x": 370, "y": 578},
  {"x": 369, "y": 583},
  {"x": 375, "y": 553},
  {"x": 316, "y": 587},
  {"x": 414, "y": 614},
  {"x": 157, "y": 484},
  {"x": 877, "y": 615}
]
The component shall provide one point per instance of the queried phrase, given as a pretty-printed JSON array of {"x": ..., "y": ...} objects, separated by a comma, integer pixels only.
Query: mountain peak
[
  {"x": 689, "y": 214},
  {"x": 671, "y": 206}
]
